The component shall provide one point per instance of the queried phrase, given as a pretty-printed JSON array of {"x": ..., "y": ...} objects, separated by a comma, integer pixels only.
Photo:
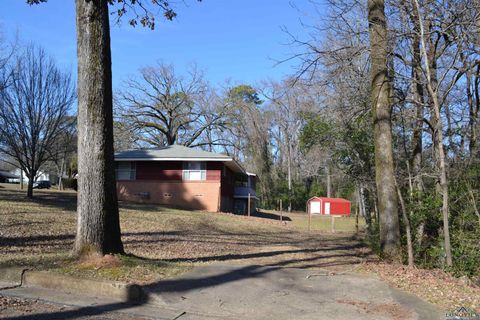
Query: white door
[
  {"x": 327, "y": 208},
  {"x": 315, "y": 207}
]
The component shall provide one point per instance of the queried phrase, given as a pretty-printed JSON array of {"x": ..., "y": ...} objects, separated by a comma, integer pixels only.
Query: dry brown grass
[{"x": 162, "y": 241}]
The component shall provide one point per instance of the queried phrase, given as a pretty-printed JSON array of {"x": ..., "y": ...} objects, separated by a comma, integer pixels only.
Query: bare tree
[
  {"x": 334, "y": 64},
  {"x": 64, "y": 148},
  {"x": 432, "y": 86},
  {"x": 6, "y": 53},
  {"x": 33, "y": 107},
  {"x": 249, "y": 130},
  {"x": 164, "y": 108},
  {"x": 288, "y": 102},
  {"x": 124, "y": 138}
]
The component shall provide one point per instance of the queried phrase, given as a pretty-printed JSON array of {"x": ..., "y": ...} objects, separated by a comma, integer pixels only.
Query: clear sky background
[{"x": 237, "y": 40}]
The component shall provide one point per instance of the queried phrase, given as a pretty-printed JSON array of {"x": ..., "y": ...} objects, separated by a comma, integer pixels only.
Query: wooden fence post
[
  {"x": 356, "y": 219},
  {"x": 248, "y": 210},
  {"x": 309, "y": 218}
]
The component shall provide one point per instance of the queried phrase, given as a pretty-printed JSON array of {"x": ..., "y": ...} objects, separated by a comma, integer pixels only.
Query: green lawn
[{"x": 324, "y": 223}]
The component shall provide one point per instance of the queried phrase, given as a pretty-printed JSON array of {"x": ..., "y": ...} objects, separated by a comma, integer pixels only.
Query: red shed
[{"x": 328, "y": 206}]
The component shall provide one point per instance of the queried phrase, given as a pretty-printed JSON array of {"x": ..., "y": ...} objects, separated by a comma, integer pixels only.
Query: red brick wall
[
  {"x": 172, "y": 170},
  {"x": 159, "y": 170},
  {"x": 162, "y": 181},
  {"x": 197, "y": 195},
  {"x": 214, "y": 171}
]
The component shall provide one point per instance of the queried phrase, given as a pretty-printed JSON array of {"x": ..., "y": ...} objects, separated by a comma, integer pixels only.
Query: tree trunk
[
  {"x": 62, "y": 170},
  {"x": 408, "y": 231},
  {"x": 60, "y": 173},
  {"x": 289, "y": 174},
  {"x": 417, "y": 146},
  {"x": 365, "y": 208},
  {"x": 98, "y": 226},
  {"x": 474, "y": 152},
  {"x": 443, "y": 181},
  {"x": 30, "y": 186},
  {"x": 432, "y": 87},
  {"x": 382, "y": 108},
  {"x": 474, "y": 203},
  {"x": 357, "y": 207},
  {"x": 449, "y": 132},
  {"x": 472, "y": 116},
  {"x": 329, "y": 180}
]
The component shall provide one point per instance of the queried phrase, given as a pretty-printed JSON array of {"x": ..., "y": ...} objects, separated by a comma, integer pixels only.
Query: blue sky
[{"x": 237, "y": 40}]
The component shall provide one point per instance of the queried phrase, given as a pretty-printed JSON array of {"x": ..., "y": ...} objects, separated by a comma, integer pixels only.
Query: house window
[
  {"x": 125, "y": 170},
  {"x": 194, "y": 171}
]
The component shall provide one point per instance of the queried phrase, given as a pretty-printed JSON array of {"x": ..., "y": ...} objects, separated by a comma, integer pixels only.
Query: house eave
[
  {"x": 229, "y": 162},
  {"x": 173, "y": 159}
]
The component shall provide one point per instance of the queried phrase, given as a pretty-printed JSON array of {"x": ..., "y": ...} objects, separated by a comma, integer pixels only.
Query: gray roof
[
  {"x": 8, "y": 175},
  {"x": 174, "y": 152},
  {"x": 177, "y": 153}
]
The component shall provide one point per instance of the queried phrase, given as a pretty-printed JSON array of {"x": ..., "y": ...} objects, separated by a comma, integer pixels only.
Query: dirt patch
[
  {"x": 10, "y": 302},
  {"x": 97, "y": 261},
  {"x": 394, "y": 310}
]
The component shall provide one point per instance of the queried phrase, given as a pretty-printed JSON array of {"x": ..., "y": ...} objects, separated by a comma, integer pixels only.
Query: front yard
[{"x": 163, "y": 242}]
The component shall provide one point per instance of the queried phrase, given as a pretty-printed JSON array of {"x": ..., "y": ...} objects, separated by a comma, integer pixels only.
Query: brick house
[{"x": 184, "y": 177}]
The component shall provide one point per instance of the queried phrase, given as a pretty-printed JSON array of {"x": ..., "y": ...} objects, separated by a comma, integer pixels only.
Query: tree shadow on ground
[
  {"x": 143, "y": 207},
  {"x": 34, "y": 240},
  {"x": 176, "y": 285},
  {"x": 269, "y": 215},
  {"x": 180, "y": 285},
  {"x": 76, "y": 313},
  {"x": 312, "y": 250},
  {"x": 66, "y": 201},
  {"x": 265, "y": 215},
  {"x": 243, "y": 256}
]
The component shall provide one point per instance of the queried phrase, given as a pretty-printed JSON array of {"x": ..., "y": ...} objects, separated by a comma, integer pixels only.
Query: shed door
[
  {"x": 327, "y": 208},
  {"x": 315, "y": 207}
]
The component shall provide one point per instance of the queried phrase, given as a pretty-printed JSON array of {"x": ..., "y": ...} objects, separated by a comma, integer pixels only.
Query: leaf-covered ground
[
  {"x": 435, "y": 286},
  {"x": 162, "y": 242}
]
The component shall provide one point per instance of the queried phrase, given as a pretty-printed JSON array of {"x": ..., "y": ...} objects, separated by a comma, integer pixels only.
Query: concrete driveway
[
  {"x": 254, "y": 292},
  {"x": 219, "y": 291}
]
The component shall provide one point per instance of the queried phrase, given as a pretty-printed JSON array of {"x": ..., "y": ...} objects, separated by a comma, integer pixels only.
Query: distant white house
[
  {"x": 40, "y": 176},
  {"x": 6, "y": 176}
]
